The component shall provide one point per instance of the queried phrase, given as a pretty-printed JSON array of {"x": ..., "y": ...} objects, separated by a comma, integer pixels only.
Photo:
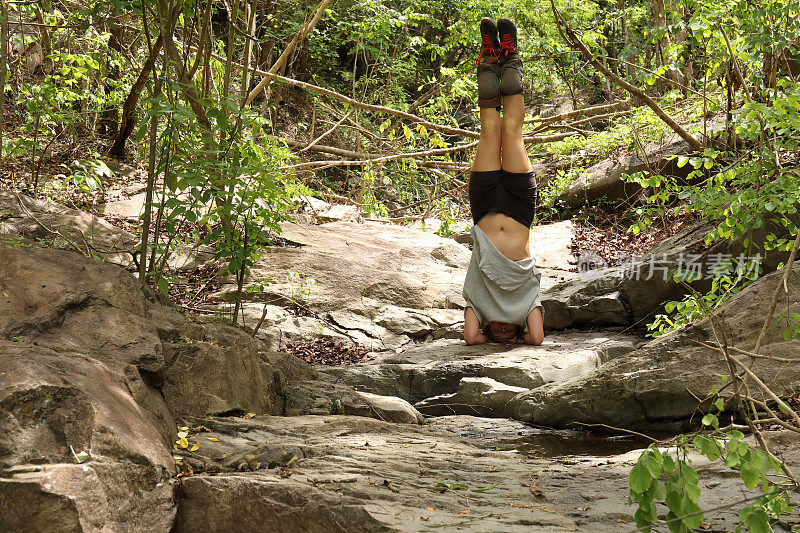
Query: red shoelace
[
  {"x": 506, "y": 44},
  {"x": 487, "y": 47}
]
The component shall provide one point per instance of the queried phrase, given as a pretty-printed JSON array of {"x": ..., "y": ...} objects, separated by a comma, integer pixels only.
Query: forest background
[
  {"x": 233, "y": 113},
  {"x": 236, "y": 110}
]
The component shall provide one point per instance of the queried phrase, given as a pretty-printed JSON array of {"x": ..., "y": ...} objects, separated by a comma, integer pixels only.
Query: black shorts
[{"x": 497, "y": 191}]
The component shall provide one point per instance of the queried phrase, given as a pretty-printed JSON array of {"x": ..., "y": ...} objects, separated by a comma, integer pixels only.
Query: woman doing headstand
[{"x": 502, "y": 283}]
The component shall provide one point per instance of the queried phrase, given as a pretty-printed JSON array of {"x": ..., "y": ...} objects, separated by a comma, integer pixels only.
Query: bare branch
[
  {"x": 572, "y": 39},
  {"x": 307, "y": 27}
]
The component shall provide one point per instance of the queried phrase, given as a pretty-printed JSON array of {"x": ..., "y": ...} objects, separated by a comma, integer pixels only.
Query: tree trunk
[
  {"x": 128, "y": 120},
  {"x": 3, "y": 71}
]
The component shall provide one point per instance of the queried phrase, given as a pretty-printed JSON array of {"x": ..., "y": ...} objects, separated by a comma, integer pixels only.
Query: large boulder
[
  {"x": 605, "y": 179},
  {"x": 65, "y": 228},
  {"x": 378, "y": 284},
  {"x": 386, "y": 408},
  {"x": 93, "y": 361},
  {"x": 436, "y": 368},
  {"x": 349, "y": 261},
  {"x": 475, "y": 396},
  {"x": 54, "y": 404},
  {"x": 633, "y": 292},
  {"x": 661, "y": 384},
  {"x": 65, "y": 301}
]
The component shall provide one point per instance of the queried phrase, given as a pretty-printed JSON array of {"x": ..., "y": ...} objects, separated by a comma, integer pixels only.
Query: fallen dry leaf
[
  {"x": 423, "y": 518},
  {"x": 431, "y": 508},
  {"x": 328, "y": 352},
  {"x": 213, "y": 439},
  {"x": 249, "y": 415}
]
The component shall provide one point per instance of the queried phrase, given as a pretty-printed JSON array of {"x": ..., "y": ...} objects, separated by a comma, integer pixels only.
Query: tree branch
[
  {"x": 573, "y": 40},
  {"x": 288, "y": 50}
]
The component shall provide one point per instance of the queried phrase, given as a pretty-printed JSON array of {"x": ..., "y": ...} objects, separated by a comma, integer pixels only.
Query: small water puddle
[{"x": 506, "y": 435}]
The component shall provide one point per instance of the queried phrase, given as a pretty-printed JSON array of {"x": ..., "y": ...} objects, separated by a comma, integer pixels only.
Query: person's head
[{"x": 503, "y": 331}]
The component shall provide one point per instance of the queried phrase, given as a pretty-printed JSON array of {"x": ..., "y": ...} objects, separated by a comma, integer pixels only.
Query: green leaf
[
  {"x": 660, "y": 491},
  {"x": 163, "y": 286},
  {"x": 711, "y": 420},
  {"x": 484, "y": 489},
  {"x": 719, "y": 404},
  {"x": 452, "y": 486},
  {"x": 669, "y": 464},
  {"x": 81, "y": 457},
  {"x": 756, "y": 520},
  {"x": 692, "y": 493},
  {"x": 639, "y": 478},
  {"x": 692, "y": 522},
  {"x": 749, "y": 474},
  {"x": 732, "y": 459},
  {"x": 644, "y": 519},
  {"x": 652, "y": 464},
  {"x": 689, "y": 474}
]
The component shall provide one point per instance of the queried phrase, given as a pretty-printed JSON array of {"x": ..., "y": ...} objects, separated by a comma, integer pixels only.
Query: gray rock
[
  {"x": 436, "y": 368},
  {"x": 65, "y": 228},
  {"x": 452, "y": 255},
  {"x": 387, "y": 263},
  {"x": 94, "y": 361},
  {"x": 359, "y": 474},
  {"x": 658, "y": 385},
  {"x": 262, "y": 502},
  {"x": 339, "y": 212},
  {"x": 634, "y": 292},
  {"x": 54, "y": 402},
  {"x": 386, "y": 408},
  {"x": 475, "y": 396}
]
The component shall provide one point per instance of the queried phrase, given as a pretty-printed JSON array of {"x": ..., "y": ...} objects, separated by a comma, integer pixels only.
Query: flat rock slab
[
  {"x": 349, "y": 261},
  {"x": 354, "y": 474},
  {"x": 65, "y": 228},
  {"x": 436, "y": 368}
]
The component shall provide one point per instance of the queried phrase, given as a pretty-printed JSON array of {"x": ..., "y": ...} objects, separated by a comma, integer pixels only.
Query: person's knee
[
  {"x": 512, "y": 126},
  {"x": 491, "y": 128}
]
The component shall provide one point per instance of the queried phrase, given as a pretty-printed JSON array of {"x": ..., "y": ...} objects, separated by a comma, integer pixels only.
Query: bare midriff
[{"x": 509, "y": 236}]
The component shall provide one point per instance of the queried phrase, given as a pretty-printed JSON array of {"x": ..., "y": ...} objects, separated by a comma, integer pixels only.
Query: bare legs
[
  {"x": 500, "y": 144},
  {"x": 487, "y": 155},
  {"x": 515, "y": 157}
]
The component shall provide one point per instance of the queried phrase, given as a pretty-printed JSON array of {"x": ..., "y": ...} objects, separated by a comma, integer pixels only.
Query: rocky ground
[{"x": 417, "y": 431}]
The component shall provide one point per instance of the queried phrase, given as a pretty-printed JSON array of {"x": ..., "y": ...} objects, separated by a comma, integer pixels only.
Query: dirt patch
[{"x": 607, "y": 235}]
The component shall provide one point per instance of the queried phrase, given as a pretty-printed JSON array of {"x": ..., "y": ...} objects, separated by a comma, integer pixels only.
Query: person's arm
[
  {"x": 472, "y": 328},
  {"x": 535, "y": 333}
]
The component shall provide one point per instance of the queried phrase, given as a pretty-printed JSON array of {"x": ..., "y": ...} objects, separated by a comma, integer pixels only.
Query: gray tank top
[{"x": 497, "y": 288}]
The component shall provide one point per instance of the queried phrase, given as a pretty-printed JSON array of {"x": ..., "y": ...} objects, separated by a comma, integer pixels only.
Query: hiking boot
[
  {"x": 508, "y": 39},
  {"x": 488, "y": 69},
  {"x": 510, "y": 60}
]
